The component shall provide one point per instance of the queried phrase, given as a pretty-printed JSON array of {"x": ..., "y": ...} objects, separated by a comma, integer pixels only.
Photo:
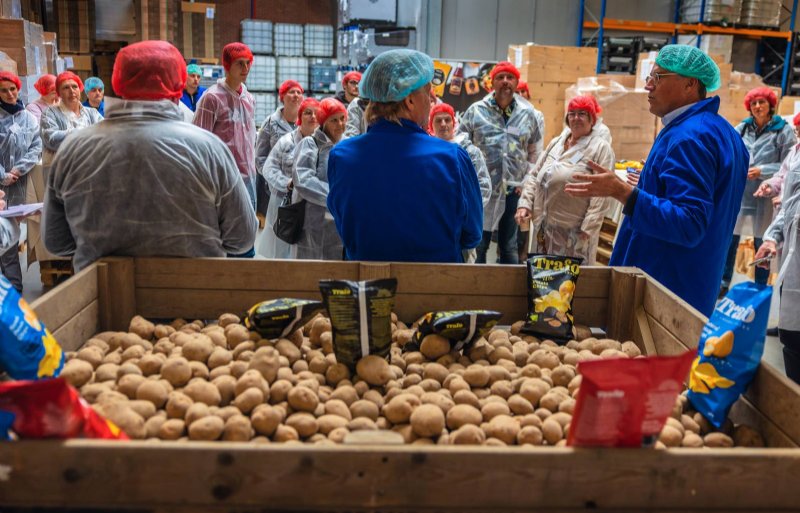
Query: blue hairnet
[
  {"x": 692, "y": 62},
  {"x": 395, "y": 74},
  {"x": 93, "y": 83},
  {"x": 193, "y": 69}
]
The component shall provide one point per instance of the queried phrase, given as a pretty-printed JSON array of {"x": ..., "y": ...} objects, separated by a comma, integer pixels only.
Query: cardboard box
[
  {"x": 789, "y": 106},
  {"x": 7, "y": 63},
  {"x": 627, "y": 151},
  {"x": 157, "y": 19},
  {"x": 78, "y": 62},
  {"x": 198, "y": 38},
  {"x": 75, "y": 20},
  {"x": 30, "y": 60},
  {"x": 20, "y": 33},
  {"x": 719, "y": 46},
  {"x": 11, "y": 9}
]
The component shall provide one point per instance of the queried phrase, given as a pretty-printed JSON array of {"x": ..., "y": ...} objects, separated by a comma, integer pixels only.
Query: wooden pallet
[
  {"x": 605, "y": 244},
  {"x": 53, "y": 272}
]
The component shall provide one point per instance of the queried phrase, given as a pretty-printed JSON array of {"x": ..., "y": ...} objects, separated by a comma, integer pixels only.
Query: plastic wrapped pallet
[
  {"x": 266, "y": 103},
  {"x": 288, "y": 39},
  {"x": 716, "y": 11},
  {"x": 293, "y": 68},
  {"x": 7, "y": 63},
  {"x": 23, "y": 42},
  {"x": 258, "y": 34},
  {"x": 262, "y": 75},
  {"x": 156, "y": 19},
  {"x": 10, "y": 9},
  {"x": 75, "y": 21},
  {"x": 761, "y": 13},
  {"x": 322, "y": 75},
  {"x": 318, "y": 40}
]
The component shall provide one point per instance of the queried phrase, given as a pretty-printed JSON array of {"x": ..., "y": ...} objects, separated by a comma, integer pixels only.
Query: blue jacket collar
[
  {"x": 708, "y": 105},
  {"x": 776, "y": 124},
  {"x": 383, "y": 125}
]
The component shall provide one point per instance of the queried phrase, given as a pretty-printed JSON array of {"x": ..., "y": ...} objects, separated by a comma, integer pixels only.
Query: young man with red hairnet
[
  {"x": 143, "y": 182},
  {"x": 510, "y": 133},
  {"x": 349, "y": 90}
]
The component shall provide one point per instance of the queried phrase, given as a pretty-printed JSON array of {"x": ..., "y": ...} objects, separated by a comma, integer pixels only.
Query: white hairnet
[{"x": 395, "y": 74}]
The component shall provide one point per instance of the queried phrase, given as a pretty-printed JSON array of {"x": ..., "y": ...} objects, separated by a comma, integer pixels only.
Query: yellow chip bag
[{"x": 551, "y": 287}]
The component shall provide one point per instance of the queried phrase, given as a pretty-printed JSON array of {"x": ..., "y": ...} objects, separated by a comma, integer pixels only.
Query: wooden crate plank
[
  {"x": 394, "y": 478},
  {"x": 73, "y": 333},
  {"x": 743, "y": 412},
  {"x": 778, "y": 398},
  {"x": 622, "y": 302},
  {"x": 240, "y": 274},
  {"x": 117, "y": 293},
  {"x": 643, "y": 333},
  {"x": 675, "y": 314},
  {"x": 373, "y": 271},
  {"x": 61, "y": 304},
  {"x": 665, "y": 342}
]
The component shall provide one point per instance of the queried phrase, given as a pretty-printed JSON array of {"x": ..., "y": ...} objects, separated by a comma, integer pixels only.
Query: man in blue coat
[
  {"x": 679, "y": 220},
  {"x": 193, "y": 91},
  {"x": 396, "y": 193}
]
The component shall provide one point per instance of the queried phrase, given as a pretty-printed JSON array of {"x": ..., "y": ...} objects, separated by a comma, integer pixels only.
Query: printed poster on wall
[{"x": 461, "y": 83}]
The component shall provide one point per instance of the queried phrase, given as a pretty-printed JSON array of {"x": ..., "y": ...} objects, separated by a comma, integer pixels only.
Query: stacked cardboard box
[
  {"x": 79, "y": 64},
  {"x": 10, "y": 9},
  {"x": 7, "y": 63},
  {"x": 23, "y": 42},
  {"x": 51, "y": 52},
  {"x": 549, "y": 71},
  {"x": 75, "y": 22},
  {"x": 198, "y": 38},
  {"x": 157, "y": 19}
]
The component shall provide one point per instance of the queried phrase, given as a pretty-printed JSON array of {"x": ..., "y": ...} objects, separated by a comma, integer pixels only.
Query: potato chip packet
[
  {"x": 462, "y": 328},
  {"x": 730, "y": 350},
  {"x": 27, "y": 349},
  {"x": 278, "y": 318},
  {"x": 551, "y": 287}
]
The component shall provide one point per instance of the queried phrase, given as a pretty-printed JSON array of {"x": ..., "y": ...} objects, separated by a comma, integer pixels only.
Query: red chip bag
[
  {"x": 625, "y": 403},
  {"x": 51, "y": 408}
]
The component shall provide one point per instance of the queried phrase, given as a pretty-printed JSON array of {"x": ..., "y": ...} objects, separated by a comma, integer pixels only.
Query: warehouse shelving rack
[{"x": 600, "y": 24}]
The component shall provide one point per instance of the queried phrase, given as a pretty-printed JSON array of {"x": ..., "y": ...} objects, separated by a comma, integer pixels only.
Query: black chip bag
[
  {"x": 278, "y": 318},
  {"x": 551, "y": 287},
  {"x": 361, "y": 317},
  {"x": 462, "y": 327}
]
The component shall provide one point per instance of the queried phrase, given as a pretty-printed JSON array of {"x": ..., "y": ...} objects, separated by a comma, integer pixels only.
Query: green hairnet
[
  {"x": 692, "y": 62},
  {"x": 193, "y": 69},
  {"x": 395, "y": 74}
]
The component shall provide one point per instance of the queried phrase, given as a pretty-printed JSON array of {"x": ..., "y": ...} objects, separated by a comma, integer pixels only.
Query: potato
[
  {"x": 374, "y": 370},
  {"x": 78, "y": 372},
  {"x": 177, "y": 404},
  {"x": 304, "y": 423},
  {"x": 105, "y": 372},
  {"x": 92, "y": 355},
  {"x": 228, "y": 318},
  {"x": 238, "y": 429},
  {"x": 153, "y": 425},
  {"x": 691, "y": 439},
  {"x": 144, "y": 408},
  {"x": 150, "y": 364},
  {"x": 552, "y": 431},
  {"x": 717, "y": 440},
  {"x": 196, "y": 412},
  {"x": 562, "y": 375},
  {"x": 347, "y": 394},
  {"x": 337, "y": 373},
  {"x": 502, "y": 389},
  {"x": 476, "y": 376},
  {"x": 530, "y": 435},
  {"x": 504, "y": 428},
  {"x": 152, "y": 391},
  {"x": 265, "y": 419},
  {"x": 399, "y": 409},
  {"x": 745, "y": 436},
  {"x": 177, "y": 371},
  {"x": 302, "y": 398},
  {"x": 288, "y": 349},
  {"x": 226, "y": 412},
  {"x": 318, "y": 326},
  {"x": 551, "y": 400},
  {"x": 434, "y": 346},
  {"x": 207, "y": 428},
  {"x": 199, "y": 369},
  {"x": 252, "y": 379},
  {"x": 203, "y": 391},
  {"x": 427, "y": 421},
  {"x": 492, "y": 409},
  {"x": 328, "y": 422},
  {"x": 285, "y": 433},
  {"x": 670, "y": 436},
  {"x": 123, "y": 416},
  {"x": 468, "y": 434},
  {"x": 219, "y": 357},
  {"x": 236, "y": 334},
  {"x": 226, "y": 385},
  {"x": 533, "y": 390},
  {"x": 362, "y": 424},
  {"x": 463, "y": 414},
  {"x": 519, "y": 405},
  {"x": 249, "y": 399},
  {"x": 142, "y": 327},
  {"x": 172, "y": 429}
]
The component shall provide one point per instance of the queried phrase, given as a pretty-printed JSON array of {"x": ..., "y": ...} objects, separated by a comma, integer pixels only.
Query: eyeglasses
[
  {"x": 578, "y": 114},
  {"x": 655, "y": 77}
]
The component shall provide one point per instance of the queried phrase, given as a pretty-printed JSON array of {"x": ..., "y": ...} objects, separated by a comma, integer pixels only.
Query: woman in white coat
[
  {"x": 563, "y": 224},
  {"x": 319, "y": 239},
  {"x": 69, "y": 115},
  {"x": 277, "y": 173}
]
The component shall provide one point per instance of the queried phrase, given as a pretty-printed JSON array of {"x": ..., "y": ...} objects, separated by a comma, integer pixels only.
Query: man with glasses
[
  {"x": 349, "y": 90},
  {"x": 680, "y": 218}
]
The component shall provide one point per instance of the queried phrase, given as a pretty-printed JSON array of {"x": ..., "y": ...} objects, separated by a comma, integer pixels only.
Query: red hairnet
[
  {"x": 46, "y": 84},
  {"x": 327, "y": 108},
  {"x": 796, "y": 119},
  {"x": 286, "y": 86},
  {"x": 233, "y": 52},
  {"x": 308, "y": 103},
  {"x": 586, "y": 103},
  {"x": 761, "y": 92},
  {"x": 504, "y": 67},
  {"x": 440, "y": 108},
  {"x": 149, "y": 70},
  {"x": 523, "y": 86},
  {"x": 352, "y": 75},
  {"x": 68, "y": 75},
  {"x": 7, "y": 76}
]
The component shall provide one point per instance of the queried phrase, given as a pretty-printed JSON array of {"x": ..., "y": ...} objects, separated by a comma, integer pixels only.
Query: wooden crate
[{"x": 196, "y": 476}]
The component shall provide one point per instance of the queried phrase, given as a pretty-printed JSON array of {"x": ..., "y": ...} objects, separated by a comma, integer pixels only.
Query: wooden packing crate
[{"x": 199, "y": 476}]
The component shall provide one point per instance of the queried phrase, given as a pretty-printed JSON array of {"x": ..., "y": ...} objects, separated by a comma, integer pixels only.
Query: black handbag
[{"x": 291, "y": 217}]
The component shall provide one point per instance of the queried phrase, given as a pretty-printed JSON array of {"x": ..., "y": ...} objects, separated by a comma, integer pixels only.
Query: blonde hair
[{"x": 388, "y": 111}]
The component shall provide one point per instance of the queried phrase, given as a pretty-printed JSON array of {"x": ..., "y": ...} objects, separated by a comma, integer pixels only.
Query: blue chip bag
[
  {"x": 27, "y": 349},
  {"x": 730, "y": 350}
]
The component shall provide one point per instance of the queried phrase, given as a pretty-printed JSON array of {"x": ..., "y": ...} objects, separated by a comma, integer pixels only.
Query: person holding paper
[
  {"x": 144, "y": 182},
  {"x": 563, "y": 224},
  {"x": 20, "y": 149},
  {"x": 510, "y": 133}
]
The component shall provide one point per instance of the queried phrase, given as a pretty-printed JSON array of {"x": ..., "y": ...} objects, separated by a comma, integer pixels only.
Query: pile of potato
[{"x": 220, "y": 381}]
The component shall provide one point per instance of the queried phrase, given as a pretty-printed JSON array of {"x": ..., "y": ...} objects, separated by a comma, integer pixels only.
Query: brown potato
[
  {"x": 530, "y": 435},
  {"x": 142, "y": 327},
  {"x": 670, "y": 436},
  {"x": 504, "y": 428},
  {"x": 152, "y": 391},
  {"x": 492, "y": 409},
  {"x": 746, "y": 436},
  {"x": 219, "y": 357},
  {"x": 399, "y": 409},
  {"x": 552, "y": 431},
  {"x": 123, "y": 416},
  {"x": 434, "y": 346},
  {"x": 177, "y": 371},
  {"x": 717, "y": 440},
  {"x": 364, "y": 408},
  {"x": 691, "y": 439},
  {"x": 144, "y": 408},
  {"x": 463, "y": 414},
  {"x": 266, "y": 419},
  {"x": 249, "y": 399},
  {"x": 427, "y": 420},
  {"x": 177, "y": 405},
  {"x": 468, "y": 434},
  {"x": 238, "y": 429},
  {"x": 226, "y": 385},
  {"x": 207, "y": 428},
  {"x": 203, "y": 391},
  {"x": 92, "y": 355},
  {"x": 305, "y": 424},
  {"x": 78, "y": 372},
  {"x": 252, "y": 379},
  {"x": 374, "y": 370},
  {"x": 328, "y": 422}
]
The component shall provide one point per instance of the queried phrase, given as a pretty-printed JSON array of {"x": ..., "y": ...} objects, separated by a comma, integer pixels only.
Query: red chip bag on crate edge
[
  {"x": 51, "y": 408},
  {"x": 625, "y": 402}
]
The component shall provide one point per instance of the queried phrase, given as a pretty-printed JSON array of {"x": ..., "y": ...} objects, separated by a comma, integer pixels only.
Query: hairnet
[
  {"x": 68, "y": 75},
  {"x": 308, "y": 103},
  {"x": 149, "y": 70},
  {"x": 440, "y": 108},
  {"x": 761, "y": 92},
  {"x": 395, "y": 74},
  {"x": 193, "y": 69},
  {"x": 327, "y": 108},
  {"x": 46, "y": 84},
  {"x": 796, "y": 119},
  {"x": 233, "y": 52},
  {"x": 504, "y": 67},
  {"x": 93, "y": 83},
  {"x": 690, "y": 61},
  {"x": 351, "y": 75},
  {"x": 523, "y": 86},
  {"x": 286, "y": 86},
  {"x": 7, "y": 76},
  {"x": 586, "y": 103}
]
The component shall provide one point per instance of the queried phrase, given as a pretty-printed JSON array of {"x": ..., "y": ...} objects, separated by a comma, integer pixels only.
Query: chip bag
[
  {"x": 461, "y": 328},
  {"x": 625, "y": 403},
  {"x": 730, "y": 350},
  {"x": 27, "y": 349},
  {"x": 551, "y": 287},
  {"x": 278, "y": 318},
  {"x": 51, "y": 408},
  {"x": 361, "y": 317}
]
